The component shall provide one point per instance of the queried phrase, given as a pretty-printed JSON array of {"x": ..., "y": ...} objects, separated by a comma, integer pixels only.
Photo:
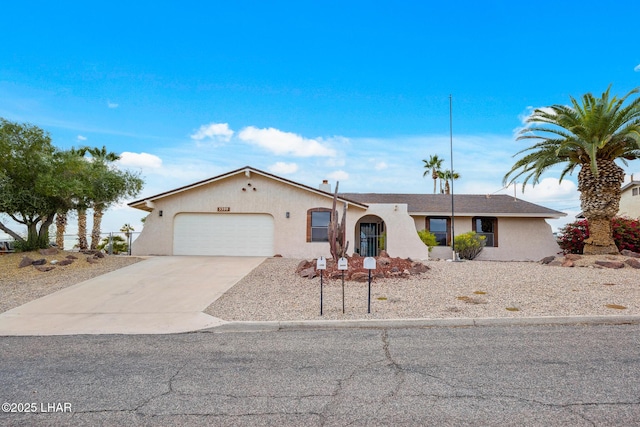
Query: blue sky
[{"x": 342, "y": 90}]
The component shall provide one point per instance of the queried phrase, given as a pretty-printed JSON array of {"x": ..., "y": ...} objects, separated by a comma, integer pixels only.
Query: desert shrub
[
  {"x": 428, "y": 239},
  {"x": 626, "y": 234},
  {"x": 469, "y": 245}
]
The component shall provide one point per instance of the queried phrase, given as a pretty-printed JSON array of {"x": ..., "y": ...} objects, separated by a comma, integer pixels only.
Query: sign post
[
  {"x": 370, "y": 264},
  {"x": 321, "y": 265},
  {"x": 343, "y": 265}
]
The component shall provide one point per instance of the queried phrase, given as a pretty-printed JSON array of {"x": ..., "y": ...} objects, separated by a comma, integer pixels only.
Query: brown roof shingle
[{"x": 474, "y": 204}]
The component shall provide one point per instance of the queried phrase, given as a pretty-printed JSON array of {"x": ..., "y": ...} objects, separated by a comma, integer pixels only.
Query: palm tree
[
  {"x": 433, "y": 165},
  {"x": 101, "y": 159},
  {"x": 447, "y": 175},
  {"x": 590, "y": 135}
]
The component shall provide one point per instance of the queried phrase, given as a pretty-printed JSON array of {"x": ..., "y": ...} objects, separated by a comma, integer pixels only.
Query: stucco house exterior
[
  {"x": 630, "y": 199},
  {"x": 250, "y": 212}
]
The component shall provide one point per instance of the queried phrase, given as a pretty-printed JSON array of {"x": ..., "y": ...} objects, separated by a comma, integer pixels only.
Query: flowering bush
[
  {"x": 626, "y": 234},
  {"x": 469, "y": 245}
]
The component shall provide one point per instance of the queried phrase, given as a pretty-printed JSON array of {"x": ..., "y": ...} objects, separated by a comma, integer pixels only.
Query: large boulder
[
  {"x": 633, "y": 262},
  {"x": 308, "y": 272},
  {"x": 627, "y": 252},
  {"x": 25, "y": 262},
  {"x": 610, "y": 264}
]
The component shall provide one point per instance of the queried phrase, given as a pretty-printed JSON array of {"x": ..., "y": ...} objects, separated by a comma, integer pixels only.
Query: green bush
[
  {"x": 428, "y": 238},
  {"x": 469, "y": 245}
]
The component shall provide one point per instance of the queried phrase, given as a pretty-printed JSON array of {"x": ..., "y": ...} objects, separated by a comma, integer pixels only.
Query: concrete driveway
[{"x": 156, "y": 296}]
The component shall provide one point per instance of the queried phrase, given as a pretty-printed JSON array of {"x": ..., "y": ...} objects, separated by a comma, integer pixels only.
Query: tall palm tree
[
  {"x": 102, "y": 196},
  {"x": 448, "y": 175},
  {"x": 433, "y": 165},
  {"x": 590, "y": 135}
]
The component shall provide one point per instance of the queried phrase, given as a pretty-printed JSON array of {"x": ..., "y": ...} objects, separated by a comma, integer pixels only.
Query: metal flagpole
[{"x": 453, "y": 242}]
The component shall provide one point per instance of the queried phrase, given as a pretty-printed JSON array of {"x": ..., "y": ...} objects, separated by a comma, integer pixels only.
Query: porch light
[
  {"x": 286, "y": 214},
  {"x": 160, "y": 213}
]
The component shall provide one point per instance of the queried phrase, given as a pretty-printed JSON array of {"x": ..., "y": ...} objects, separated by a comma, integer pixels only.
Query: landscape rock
[
  {"x": 48, "y": 251},
  {"x": 627, "y": 252},
  {"x": 99, "y": 255},
  {"x": 303, "y": 265},
  {"x": 418, "y": 268},
  {"x": 547, "y": 259},
  {"x": 44, "y": 268},
  {"x": 555, "y": 263},
  {"x": 573, "y": 257},
  {"x": 384, "y": 254},
  {"x": 568, "y": 263},
  {"x": 91, "y": 260},
  {"x": 71, "y": 257},
  {"x": 633, "y": 262},
  {"x": 384, "y": 261},
  {"x": 26, "y": 261},
  {"x": 65, "y": 262},
  {"x": 360, "y": 276},
  {"x": 39, "y": 262},
  {"x": 308, "y": 272},
  {"x": 610, "y": 264}
]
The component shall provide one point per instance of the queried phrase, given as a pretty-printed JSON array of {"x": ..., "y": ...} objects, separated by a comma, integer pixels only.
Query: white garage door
[{"x": 223, "y": 234}]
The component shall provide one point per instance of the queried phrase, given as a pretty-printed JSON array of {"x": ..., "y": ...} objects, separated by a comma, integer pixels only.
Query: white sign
[
  {"x": 343, "y": 264},
  {"x": 370, "y": 263},
  {"x": 321, "y": 264}
]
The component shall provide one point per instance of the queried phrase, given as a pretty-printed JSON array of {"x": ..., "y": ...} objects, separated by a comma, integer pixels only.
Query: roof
[
  {"x": 147, "y": 202},
  {"x": 630, "y": 185},
  {"x": 464, "y": 204}
]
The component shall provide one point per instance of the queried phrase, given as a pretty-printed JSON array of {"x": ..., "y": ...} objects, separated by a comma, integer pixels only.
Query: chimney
[{"x": 325, "y": 186}]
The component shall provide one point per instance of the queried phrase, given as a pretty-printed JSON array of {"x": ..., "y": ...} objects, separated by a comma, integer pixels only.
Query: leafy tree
[
  {"x": 589, "y": 135},
  {"x": 36, "y": 181},
  {"x": 447, "y": 176},
  {"x": 433, "y": 166}
]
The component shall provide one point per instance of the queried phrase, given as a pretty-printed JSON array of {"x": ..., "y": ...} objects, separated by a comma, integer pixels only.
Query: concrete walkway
[{"x": 159, "y": 295}]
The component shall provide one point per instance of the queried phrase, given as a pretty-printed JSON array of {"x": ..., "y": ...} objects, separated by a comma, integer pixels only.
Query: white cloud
[
  {"x": 285, "y": 143},
  {"x": 283, "y": 168},
  {"x": 112, "y": 104},
  {"x": 549, "y": 191},
  {"x": 637, "y": 68},
  {"x": 81, "y": 138},
  {"x": 218, "y": 132},
  {"x": 339, "y": 176},
  {"x": 140, "y": 160},
  {"x": 381, "y": 166}
]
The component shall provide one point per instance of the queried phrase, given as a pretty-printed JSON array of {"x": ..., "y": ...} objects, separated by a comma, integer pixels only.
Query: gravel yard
[
  {"x": 467, "y": 289},
  {"x": 21, "y": 285},
  {"x": 273, "y": 291}
]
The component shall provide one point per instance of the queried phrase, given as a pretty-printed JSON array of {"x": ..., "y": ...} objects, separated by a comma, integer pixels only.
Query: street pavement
[{"x": 580, "y": 375}]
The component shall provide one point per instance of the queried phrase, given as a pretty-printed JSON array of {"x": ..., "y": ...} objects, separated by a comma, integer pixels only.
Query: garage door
[{"x": 223, "y": 234}]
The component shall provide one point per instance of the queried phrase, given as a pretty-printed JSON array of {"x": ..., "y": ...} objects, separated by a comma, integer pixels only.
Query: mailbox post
[
  {"x": 343, "y": 265},
  {"x": 370, "y": 264},
  {"x": 321, "y": 265}
]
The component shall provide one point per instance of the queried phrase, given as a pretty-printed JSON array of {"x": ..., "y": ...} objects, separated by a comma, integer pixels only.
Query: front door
[{"x": 370, "y": 238}]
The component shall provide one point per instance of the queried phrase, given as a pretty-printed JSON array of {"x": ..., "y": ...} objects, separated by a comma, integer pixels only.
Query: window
[
  {"x": 634, "y": 191},
  {"x": 318, "y": 224},
  {"x": 488, "y": 227},
  {"x": 440, "y": 227}
]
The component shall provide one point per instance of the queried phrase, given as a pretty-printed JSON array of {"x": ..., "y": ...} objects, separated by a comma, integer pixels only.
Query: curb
[{"x": 274, "y": 326}]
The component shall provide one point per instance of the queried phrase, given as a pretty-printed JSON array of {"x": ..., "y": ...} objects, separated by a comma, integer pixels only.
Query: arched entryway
[{"x": 371, "y": 236}]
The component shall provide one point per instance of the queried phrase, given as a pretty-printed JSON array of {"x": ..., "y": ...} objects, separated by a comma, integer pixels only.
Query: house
[
  {"x": 630, "y": 199},
  {"x": 250, "y": 212}
]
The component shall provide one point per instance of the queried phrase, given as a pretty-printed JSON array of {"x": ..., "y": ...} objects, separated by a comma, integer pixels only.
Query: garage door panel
[{"x": 223, "y": 234}]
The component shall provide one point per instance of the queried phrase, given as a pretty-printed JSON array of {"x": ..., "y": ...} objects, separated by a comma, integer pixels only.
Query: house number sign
[{"x": 224, "y": 209}]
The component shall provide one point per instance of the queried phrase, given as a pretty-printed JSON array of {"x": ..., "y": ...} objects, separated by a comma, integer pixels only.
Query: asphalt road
[{"x": 484, "y": 376}]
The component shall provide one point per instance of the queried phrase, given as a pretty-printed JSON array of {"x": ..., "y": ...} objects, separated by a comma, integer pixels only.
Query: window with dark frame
[
  {"x": 634, "y": 191},
  {"x": 320, "y": 225},
  {"x": 488, "y": 227},
  {"x": 440, "y": 227}
]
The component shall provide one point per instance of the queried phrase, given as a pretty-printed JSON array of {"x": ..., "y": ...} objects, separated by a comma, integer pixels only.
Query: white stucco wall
[
  {"x": 629, "y": 204},
  {"x": 519, "y": 239},
  {"x": 270, "y": 196},
  {"x": 402, "y": 237}
]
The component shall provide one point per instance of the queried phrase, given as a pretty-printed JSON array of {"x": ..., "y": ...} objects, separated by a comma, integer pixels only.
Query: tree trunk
[
  {"x": 600, "y": 202},
  {"x": 447, "y": 188},
  {"x": 82, "y": 229},
  {"x": 97, "y": 221},
  {"x": 61, "y": 227},
  {"x": 434, "y": 175}
]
